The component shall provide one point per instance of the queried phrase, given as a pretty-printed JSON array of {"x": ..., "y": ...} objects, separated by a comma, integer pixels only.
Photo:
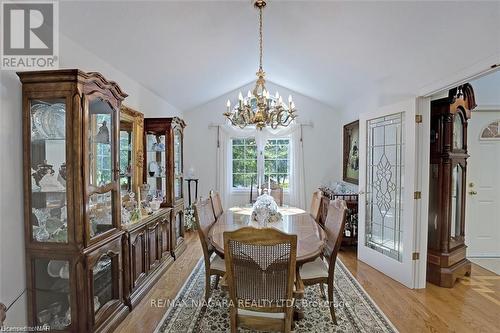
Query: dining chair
[
  {"x": 317, "y": 271},
  {"x": 214, "y": 265},
  {"x": 277, "y": 194},
  {"x": 260, "y": 266},
  {"x": 216, "y": 204},
  {"x": 319, "y": 207},
  {"x": 316, "y": 205}
]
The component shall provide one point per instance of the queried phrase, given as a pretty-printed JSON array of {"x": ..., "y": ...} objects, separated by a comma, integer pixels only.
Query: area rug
[{"x": 355, "y": 310}]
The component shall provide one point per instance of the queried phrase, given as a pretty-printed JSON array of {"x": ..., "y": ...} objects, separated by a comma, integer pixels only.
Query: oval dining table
[{"x": 311, "y": 238}]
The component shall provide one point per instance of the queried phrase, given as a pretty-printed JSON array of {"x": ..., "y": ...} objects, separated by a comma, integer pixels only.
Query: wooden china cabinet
[
  {"x": 73, "y": 235},
  {"x": 147, "y": 239},
  {"x": 446, "y": 258},
  {"x": 163, "y": 170}
]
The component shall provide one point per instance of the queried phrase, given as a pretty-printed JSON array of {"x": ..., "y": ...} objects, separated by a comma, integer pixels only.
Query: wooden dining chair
[
  {"x": 216, "y": 204},
  {"x": 277, "y": 194},
  {"x": 319, "y": 207},
  {"x": 318, "y": 272},
  {"x": 204, "y": 219},
  {"x": 316, "y": 205},
  {"x": 260, "y": 266}
]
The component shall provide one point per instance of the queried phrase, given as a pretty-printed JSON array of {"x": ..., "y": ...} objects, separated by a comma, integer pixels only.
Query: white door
[
  {"x": 482, "y": 215},
  {"x": 387, "y": 230}
]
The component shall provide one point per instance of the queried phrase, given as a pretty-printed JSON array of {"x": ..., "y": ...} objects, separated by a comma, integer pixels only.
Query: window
[
  {"x": 244, "y": 153},
  {"x": 248, "y": 161},
  {"x": 492, "y": 131},
  {"x": 276, "y": 162}
]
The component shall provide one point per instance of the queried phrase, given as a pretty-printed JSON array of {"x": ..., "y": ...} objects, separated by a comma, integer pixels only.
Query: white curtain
[{"x": 224, "y": 158}]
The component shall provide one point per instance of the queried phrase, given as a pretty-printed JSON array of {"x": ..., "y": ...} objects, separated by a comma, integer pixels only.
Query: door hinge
[
  {"x": 417, "y": 195},
  {"x": 415, "y": 256},
  {"x": 418, "y": 118}
]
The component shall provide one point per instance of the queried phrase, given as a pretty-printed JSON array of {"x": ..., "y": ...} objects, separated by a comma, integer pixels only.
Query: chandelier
[{"x": 259, "y": 108}]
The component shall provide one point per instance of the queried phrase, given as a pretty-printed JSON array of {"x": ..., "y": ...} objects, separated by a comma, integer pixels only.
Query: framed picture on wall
[{"x": 351, "y": 153}]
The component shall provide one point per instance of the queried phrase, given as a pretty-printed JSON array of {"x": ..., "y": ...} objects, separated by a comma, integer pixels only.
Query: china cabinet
[
  {"x": 446, "y": 258},
  {"x": 147, "y": 253},
  {"x": 350, "y": 236},
  {"x": 131, "y": 157},
  {"x": 131, "y": 161},
  {"x": 73, "y": 237},
  {"x": 163, "y": 167}
]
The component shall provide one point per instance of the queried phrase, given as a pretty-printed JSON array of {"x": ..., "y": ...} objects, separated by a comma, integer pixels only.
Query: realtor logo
[{"x": 30, "y": 35}]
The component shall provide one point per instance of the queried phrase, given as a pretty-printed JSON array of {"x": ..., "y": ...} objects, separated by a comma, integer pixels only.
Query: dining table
[{"x": 311, "y": 238}]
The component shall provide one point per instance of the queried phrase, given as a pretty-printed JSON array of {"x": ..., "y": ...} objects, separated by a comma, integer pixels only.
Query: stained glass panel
[{"x": 384, "y": 207}]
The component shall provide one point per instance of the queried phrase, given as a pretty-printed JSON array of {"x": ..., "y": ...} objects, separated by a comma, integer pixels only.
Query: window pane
[
  {"x": 251, "y": 152},
  {"x": 238, "y": 180},
  {"x": 282, "y": 151},
  {"x": 251, "y": 166},
  {"x": 276, "y": 161},
  {"x": 270, "y": 152},
  {"x": 282, "y": 166},
  {"x": 239, "y": 166},
  {"x": 238, "y": 152},
  {"x": 270, "y": 166},
  {"x": 238, "y": 141},
  {"x": 244, "y": 152}
]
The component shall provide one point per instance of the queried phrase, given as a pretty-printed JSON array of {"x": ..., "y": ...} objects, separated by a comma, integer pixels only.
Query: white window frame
[{"x": 261, "y": 143}]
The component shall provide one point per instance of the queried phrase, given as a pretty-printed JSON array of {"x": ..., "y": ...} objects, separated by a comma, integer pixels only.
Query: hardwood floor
[{"x": 473, "y": 305}]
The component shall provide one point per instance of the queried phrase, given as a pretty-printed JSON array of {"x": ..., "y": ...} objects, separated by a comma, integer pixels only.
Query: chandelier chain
[{"x": 260, "y": 38}]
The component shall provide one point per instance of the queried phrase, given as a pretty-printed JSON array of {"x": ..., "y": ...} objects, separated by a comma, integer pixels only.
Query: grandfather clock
[{"x": 446, "y": 256}]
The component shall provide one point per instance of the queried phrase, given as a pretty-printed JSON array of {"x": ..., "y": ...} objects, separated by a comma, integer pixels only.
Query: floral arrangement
[
  {"x": 265, "y": 210},
  {"x": 189, "y": 218}
]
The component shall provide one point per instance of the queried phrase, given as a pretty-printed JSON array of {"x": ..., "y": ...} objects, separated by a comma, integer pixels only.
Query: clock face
[{"x": 458, "y": 132}]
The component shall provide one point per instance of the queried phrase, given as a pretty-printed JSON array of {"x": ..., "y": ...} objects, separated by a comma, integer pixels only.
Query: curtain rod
[{"x": 308, "y": 124}]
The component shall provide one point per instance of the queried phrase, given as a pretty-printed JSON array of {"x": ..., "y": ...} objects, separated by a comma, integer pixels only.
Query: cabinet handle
[{"x": 472, "y": 192}]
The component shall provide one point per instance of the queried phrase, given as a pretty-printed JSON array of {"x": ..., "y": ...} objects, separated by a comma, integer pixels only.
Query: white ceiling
[{"x": 190, "y": 52}]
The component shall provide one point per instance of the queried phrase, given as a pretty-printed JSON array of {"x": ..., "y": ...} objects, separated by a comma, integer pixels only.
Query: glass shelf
[
  {"x": 48, "y": 171},
  {"x": 52, "y": 293}
]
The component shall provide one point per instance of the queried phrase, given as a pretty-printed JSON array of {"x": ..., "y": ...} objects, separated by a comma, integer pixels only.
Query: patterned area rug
[{"x": 355, "y": 310}]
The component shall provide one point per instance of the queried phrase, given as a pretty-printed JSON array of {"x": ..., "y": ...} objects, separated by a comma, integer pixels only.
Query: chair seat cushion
[
  {"x": 217, "y": 263},
  {"x": 314, "y": 270},
  {"x": 275, "y": 315}
]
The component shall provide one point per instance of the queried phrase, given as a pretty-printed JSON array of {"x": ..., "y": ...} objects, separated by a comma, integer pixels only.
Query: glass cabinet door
[
  {"x": 126, "y": 166},
  {"x": 100, "y": 163},
  {"x": 156, "y": 162},
  {"x": 52, "y": 293},
  {"x": 100, "y": 143},
  {"x": 48, "y": 170},
  {"x": 103, "y": 284},
  {"x": 178, "y": 167}
]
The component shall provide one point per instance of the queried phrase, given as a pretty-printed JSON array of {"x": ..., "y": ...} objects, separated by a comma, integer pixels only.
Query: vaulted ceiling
[{"x": 189, "y": 52}]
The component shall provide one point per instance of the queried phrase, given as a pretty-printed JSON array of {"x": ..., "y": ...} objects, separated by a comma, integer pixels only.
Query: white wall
[
  {"x": 487, "y": 91},
  {"x": 322, "y": 142},
  {"x": 12, "y": 263}
]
